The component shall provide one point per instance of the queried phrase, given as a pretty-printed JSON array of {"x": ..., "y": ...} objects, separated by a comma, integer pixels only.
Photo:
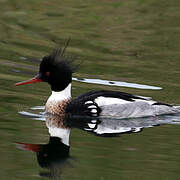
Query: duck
[{"x": 57, "y": 69}]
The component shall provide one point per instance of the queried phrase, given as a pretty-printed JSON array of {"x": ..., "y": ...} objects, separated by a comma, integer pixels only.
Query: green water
[{"x": 135, "y": 41}]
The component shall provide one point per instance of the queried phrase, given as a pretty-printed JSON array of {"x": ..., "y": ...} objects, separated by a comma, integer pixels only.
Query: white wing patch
[
  {"x": 104, "y": 101},
  {"x": 144, "y": 97}
]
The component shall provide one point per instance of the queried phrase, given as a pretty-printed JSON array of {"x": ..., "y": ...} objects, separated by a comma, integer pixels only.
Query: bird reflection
[{"x": 55, "y": 154}]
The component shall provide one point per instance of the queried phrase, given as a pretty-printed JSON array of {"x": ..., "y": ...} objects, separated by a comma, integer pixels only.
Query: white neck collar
[{"x": 62, "y": 95}]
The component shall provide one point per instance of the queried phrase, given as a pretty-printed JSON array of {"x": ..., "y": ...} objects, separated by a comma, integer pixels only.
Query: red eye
[{"x": 47, "y": 73}]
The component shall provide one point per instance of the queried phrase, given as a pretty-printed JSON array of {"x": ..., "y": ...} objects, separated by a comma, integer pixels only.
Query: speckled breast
[{"x": 55, "y": 107}]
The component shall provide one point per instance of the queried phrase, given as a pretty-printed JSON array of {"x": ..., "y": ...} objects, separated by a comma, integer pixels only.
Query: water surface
[
  {"x": 120, "y": 41},
  {"x": 117, "y": 83}
]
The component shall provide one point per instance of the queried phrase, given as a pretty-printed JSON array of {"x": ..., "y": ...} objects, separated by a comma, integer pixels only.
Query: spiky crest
[{"x": 59, "y": 58}]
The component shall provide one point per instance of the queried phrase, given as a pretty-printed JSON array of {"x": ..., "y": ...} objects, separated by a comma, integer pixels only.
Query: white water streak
[{"x": 117, "y": 83}]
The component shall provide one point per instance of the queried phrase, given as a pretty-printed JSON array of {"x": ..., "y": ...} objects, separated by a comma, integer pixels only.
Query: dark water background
[{"x": 133, "y": 41}]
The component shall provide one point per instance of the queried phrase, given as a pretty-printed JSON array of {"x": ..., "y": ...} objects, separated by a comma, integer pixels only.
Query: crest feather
[{"x": 59, "y": 58}]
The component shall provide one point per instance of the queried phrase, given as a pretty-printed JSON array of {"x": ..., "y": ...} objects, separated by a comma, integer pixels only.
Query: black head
[{"x": 56, "y": 69}]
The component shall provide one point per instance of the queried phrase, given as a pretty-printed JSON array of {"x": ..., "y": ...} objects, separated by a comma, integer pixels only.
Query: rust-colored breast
[{"x": 55, "y": 107}]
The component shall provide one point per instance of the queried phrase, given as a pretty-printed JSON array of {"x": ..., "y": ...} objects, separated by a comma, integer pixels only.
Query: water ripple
[
  {"x": 106, "y": 126},
  {"x": 117, "y": 83}
]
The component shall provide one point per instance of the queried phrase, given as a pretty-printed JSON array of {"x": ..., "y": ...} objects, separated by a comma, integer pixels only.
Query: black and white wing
[
  {"x": 90, "y": 103},
  {"x": 83, "y": 107},
  {"x": 115, "y": 103}
]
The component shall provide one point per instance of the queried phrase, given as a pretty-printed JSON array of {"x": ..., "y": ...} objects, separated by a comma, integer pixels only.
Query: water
[
  {"x": 105, "y": 126},
  {"x": 55, "y": 156},
  {"x": 116, "y": 41},
  {"x": 117, "y": 83}
]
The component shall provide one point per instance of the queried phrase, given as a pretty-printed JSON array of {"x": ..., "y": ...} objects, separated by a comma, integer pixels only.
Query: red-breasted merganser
[{"x": 57, "y": 68}]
